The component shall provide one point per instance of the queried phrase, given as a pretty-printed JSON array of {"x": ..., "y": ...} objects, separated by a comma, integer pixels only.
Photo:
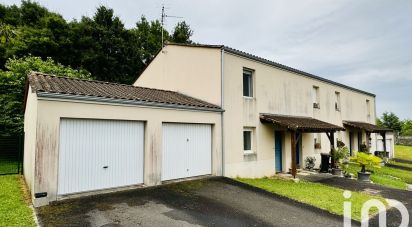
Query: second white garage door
[
  {"x": 99, "y": 154},
  {"x": 187, "y": 150}
]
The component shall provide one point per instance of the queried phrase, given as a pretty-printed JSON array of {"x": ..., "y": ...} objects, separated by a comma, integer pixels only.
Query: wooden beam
[
  {"x": 293, "y": 142},
  {"x": 383, "y": 134}
]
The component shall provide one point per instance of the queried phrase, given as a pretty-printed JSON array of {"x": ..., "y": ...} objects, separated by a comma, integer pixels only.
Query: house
[
  {"x": 196, "y": 110},
  {"x": 268, "y": 105}
]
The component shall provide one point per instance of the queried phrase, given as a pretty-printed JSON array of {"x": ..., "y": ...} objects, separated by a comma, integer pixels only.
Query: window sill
[
  {"x": 249, "y": 97},
  {"x": 249, "y": 153}
]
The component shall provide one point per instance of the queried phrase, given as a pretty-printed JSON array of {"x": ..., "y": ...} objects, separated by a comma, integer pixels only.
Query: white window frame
[
  {"x": 251, "y": 81},
  {"x": 251, "y": 151},
  {"x": 337, "y": 101},
  {"x": 315, "y": 97}
]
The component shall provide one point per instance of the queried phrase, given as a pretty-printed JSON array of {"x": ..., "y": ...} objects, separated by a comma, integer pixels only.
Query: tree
[
  {"x": 406, "y": 128},
  {"x": 391, "y": 121},
  {"x": 182, "y": 33},
  {"x": 12, "y": 85},
  {"x": 99, "y": 44}
]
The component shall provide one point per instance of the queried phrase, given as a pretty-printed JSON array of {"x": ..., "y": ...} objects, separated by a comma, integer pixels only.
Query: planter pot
[
  {"x": 337, "y": 172},
  {"x": 364, "y": 176}
]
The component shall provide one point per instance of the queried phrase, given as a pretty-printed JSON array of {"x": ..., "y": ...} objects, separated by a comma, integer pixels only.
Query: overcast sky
[{"x": 364, "y": 44}]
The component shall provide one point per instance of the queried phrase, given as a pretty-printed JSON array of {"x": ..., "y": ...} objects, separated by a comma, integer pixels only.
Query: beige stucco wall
[
  {"x": 47, "y": 141},
  {"x": 30, "y": 119},
  {"x": 278, "y": 91},
  {"x": 189, "y": 70}
]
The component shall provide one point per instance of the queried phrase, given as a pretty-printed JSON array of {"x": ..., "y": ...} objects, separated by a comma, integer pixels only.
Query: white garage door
[
  {"x": 99, "y": 154},
  {"x": 186, "y": 150}
]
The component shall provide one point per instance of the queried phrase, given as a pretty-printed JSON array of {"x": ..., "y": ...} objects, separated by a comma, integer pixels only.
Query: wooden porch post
[
  {"x": 383, "y": 134},
  {"x": 331, "y": 136},
  {"x": 293, "y": 143}
]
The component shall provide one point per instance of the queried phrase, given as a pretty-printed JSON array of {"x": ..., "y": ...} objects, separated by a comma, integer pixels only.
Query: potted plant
[
  {"x": 366, "y": 160},
  {"x": 337, "y": 157},
  {"x": 310, "y": 163}
]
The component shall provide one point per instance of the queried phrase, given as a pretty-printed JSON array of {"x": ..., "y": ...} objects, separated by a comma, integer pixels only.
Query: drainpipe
[{"x": 222, "y": 52}]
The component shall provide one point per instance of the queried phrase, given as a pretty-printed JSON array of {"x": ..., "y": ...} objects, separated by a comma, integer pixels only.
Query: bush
[
  {"x": 310, "y": 163},
  {"x": 367, "y": 160}
]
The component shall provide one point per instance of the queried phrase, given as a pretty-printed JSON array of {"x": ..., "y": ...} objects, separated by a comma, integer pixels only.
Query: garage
[
  {"x": 186, "y": 150},
  {"x": 99, "y": 154}
]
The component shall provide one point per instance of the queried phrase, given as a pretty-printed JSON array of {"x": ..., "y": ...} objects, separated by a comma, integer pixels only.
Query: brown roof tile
[
  {"x": 303, "y": 124},
  {"x": 365, "y": 126},
  {"x": 44, "y": 83}
]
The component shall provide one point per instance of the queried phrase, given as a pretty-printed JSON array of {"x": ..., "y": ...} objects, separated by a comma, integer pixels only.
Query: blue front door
[{"x": 278, "y": 151}]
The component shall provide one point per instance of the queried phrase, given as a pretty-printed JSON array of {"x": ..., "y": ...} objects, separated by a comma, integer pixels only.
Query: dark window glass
[
  {"x": 247, "y": 83},
  {"x": 247, "y": 140}
]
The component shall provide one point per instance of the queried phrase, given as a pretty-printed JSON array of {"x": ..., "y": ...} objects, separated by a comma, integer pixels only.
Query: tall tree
[
  {"x": 390, "y": 120},
  {"x": 182, "y": 33}
]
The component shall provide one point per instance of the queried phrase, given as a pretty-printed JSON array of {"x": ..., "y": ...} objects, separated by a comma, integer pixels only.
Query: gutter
[
  {"x": 292, "y": 70},
  {"x": 59, "y": 96},
  {"x": 222, "y": 52}
]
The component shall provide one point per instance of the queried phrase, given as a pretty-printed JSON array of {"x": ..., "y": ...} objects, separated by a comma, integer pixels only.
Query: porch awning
[
  {"x": 366, "y": 126},
  {"x": 300, "y": 124}
]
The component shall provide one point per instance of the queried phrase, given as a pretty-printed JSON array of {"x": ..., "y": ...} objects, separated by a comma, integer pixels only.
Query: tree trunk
[{"x": 363, "y": 170}]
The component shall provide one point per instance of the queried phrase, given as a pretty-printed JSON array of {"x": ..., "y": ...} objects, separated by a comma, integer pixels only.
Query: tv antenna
[{"x": 164, "y": 16}]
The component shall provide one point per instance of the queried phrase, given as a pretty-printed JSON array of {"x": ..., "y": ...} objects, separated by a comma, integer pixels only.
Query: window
[
  {"x": 247, "y": 83},
  {"x": 315, "y": 97},
  {"x": 317, "y": 140},
  {"x": 337, "y": 101},
  {"x": 368, "y": 110},
  {"x": 247, "y": 140}
]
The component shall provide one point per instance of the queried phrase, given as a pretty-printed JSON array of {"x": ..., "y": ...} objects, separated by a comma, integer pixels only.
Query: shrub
[
  {"x": 310, "y": 162},
  {"x": 367, "y": 160}
]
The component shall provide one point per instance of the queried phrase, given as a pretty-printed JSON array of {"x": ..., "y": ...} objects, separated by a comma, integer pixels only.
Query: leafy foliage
[
  {"x": 390, "y": 120},
  {"x": 12, "y": 86},
  {"x": 406, "y": 127},
  {"x": 367, "y": 160},
  {"x": 100, "y": 44}
]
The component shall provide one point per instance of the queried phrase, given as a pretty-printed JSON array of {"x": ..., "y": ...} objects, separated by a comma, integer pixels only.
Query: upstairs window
[
  {"x": 315, "y": 97},
  {"x": 247, "y": 83},
  {"x": 368, "y": 109},
  {"x": 337, "y": 101}
]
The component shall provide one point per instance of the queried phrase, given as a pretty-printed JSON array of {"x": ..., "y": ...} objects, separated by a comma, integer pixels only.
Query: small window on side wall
[
  {"x": 247, "y": 140},
  {"x": 315, "y": 97},
  {"x": 247, "y": 83},
  {"x": 337, "y": 101}
]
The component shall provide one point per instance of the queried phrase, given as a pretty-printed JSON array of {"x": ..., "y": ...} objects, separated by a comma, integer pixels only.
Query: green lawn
[
  {"x": 8, "y": 166},
  {"x": 403, "y": 152},
  {"x": 401, "y": 164},
  {"x": 386, "y": 176},
  {"x": 318, "y": 195},
  {"x": 14, "y": 211}
]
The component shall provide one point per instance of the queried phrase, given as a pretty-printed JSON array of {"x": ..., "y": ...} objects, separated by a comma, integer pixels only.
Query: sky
[{"x": 364, "y": 44}]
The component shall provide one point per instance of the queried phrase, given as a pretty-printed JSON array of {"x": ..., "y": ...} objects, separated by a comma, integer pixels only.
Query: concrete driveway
[{"x": 207, "y": 202}]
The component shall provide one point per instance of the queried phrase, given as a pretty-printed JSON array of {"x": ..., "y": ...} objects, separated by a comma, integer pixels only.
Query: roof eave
[{"x": 60, "y": 96}]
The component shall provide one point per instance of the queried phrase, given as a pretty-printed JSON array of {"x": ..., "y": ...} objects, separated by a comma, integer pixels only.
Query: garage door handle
[{"x": 105, "y": 167}]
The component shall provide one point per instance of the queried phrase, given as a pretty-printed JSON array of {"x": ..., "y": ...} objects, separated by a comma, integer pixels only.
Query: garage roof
[
  {"x": 52, "y": 86},
  {"x": 297, "y": 123},
  {"x": 365, "y": 126}
]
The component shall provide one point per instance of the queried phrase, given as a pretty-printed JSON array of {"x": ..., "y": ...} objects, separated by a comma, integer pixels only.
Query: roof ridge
[{"x": 96, "y": 81}]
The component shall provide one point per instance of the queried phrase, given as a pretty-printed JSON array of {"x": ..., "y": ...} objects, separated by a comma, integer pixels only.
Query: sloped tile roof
[
  {"x": 365, "y": 126},
  {"x": 44, "y": 83},
  {"x": 297, "y": 123}
]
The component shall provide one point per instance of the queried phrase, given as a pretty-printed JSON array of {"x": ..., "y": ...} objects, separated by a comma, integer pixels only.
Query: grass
[
  {"x": 401, "y": 164},
  {"x": 14, "y": 210},
  {"x": 386, "y": 176},
  {"x": 403, "y": 152},
  {"x": 322, "y": 196},
  {"x": 8, "y": 166}
]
